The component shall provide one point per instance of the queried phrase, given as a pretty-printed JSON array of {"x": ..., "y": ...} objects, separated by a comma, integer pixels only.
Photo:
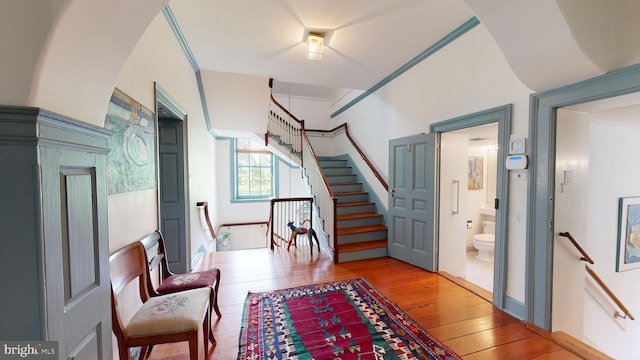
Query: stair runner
[{"x": 362, "y": 233}]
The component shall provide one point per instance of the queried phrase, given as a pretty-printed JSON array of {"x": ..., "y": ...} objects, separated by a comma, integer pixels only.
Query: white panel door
[{"x": 452, "y": 243}]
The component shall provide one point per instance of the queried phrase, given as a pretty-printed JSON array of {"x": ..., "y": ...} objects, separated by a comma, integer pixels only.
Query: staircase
[
  {"x": 349, "y": 217},
  {"x": 284, "y": 145},
  {"x": 362, "y": 233}
]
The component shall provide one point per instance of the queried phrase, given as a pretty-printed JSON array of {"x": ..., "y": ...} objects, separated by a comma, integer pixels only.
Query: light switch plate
[{"x": 516, "y": 146}]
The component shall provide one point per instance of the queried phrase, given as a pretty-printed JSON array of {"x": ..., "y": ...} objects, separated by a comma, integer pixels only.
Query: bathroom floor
[{"x": 479, "y": 272}]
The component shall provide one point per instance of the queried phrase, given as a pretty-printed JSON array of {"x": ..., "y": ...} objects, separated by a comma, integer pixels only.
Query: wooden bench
[
  {"x": 161, "y": 319},
  {"x": 170, "y": 282}
]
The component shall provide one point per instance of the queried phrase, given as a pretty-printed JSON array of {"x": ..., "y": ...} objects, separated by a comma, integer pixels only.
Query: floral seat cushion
[
  {"x": 187, "y": 281},
  {"x": 168, "y": 314}
]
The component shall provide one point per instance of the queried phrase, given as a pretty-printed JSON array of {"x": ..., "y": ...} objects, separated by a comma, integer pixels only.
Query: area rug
[{"x": 337, "y": 320}]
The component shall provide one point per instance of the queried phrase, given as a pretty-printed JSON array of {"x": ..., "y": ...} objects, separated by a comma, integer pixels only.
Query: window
[{"x": 253, "y": 170}]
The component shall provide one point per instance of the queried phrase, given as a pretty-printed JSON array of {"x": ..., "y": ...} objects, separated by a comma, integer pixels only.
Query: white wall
[
  {"x": 291, "y": 184},
  {"x": 572, "y": 154},
  {"x": 608, "y": 181},
  {"x": 314, "y": 111},
  {"x": 587, "y": 145},
  {"x": 236, "y": 102},
  {"x": 32, "y": 20},
  {"x": 466, "y": 76},
  {"x": 159, "y": 58}
]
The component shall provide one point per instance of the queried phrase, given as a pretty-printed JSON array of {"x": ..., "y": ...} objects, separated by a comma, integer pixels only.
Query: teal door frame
[
  {"x": 541, "y": 187},
  {"x": 167, "y": 107},
  {"x": 502, "y": 116}
]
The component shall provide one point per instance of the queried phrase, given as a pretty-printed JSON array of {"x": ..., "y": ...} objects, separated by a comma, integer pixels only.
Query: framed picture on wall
[
  {"x": 475, "y": 173},
  {"x": 628, "y": 234},
  {"x": 131, "y": 163}
]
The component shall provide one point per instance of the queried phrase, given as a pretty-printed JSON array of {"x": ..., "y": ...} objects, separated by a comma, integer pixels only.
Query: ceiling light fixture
[{"x": 315, "y": 47}]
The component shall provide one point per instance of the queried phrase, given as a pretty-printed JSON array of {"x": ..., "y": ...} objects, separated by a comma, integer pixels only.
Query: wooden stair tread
[
  {"x": 358, "y": 216},
  {"x": 365, "y": 245},
  {"x": 361, "y": 229},
  {"x": 355, "y": 203},
  {"x": 350, "y": 193}
]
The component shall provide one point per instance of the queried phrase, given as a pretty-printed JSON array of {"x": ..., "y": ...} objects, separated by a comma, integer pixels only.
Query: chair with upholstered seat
[
  {"x": 170, "y": 282},
  {"x": 162, "y": 319}
]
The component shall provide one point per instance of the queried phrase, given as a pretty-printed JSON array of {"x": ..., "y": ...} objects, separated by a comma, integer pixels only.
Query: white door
[{"x": 452, "y": 243}]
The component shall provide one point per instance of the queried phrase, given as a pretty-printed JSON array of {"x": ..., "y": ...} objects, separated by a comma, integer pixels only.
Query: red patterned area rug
[{"x": 337, "y": 320}]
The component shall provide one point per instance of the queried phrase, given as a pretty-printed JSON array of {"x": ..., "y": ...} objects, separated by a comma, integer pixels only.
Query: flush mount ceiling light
[{"x": 315, "y": 47}]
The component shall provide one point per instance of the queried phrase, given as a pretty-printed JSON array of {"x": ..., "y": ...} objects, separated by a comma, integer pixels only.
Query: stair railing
[
  {"x": 585, "y": 257},
  {"x": 284, "y": 125},
  {"x": 284, "y": 210},
  {"x": 291, "y": 130},
  {"x": 326, "y": 201},
  {"x": 344, "y": 127}
]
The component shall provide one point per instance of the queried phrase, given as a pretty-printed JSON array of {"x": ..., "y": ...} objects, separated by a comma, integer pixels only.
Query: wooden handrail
[
  {"x": 359, "y": 150},
  {"x": 585, "y": 256},
  {"x": 611, "y": 295},
  {"x": 285, "y": 110},
  {"x": 245, "y": 224},
  {"x": 205, "y": 206}
]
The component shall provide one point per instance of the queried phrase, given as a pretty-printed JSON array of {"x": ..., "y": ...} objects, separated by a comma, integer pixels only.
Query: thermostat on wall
[{"x": 517, "y": 162}]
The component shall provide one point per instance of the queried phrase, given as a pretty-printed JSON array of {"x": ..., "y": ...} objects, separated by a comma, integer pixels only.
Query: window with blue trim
[{"x": 253, "y": 170}]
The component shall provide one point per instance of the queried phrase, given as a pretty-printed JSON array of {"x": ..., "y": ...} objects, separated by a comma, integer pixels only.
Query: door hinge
[{"x": 496, "y": 204}]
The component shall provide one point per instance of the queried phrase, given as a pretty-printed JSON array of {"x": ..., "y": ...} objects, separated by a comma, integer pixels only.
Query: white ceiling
[{"x": 366, "y": 40}]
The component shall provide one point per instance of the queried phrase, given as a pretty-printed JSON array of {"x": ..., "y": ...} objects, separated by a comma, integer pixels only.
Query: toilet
[{"x": 485, "y": 242}]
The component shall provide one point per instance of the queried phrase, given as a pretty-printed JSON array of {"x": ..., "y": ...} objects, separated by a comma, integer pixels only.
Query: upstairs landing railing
[
  {"x": 284, "y": 210},
  {"x": 585, "y": 257},
  {"x": 284, "y": 126}
]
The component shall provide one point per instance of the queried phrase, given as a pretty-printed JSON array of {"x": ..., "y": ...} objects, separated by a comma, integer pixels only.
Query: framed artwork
[
  {"x": 475, "y": 173},
  {"x": 628, "y": 234},
  {"x": 131, "y": 163}
]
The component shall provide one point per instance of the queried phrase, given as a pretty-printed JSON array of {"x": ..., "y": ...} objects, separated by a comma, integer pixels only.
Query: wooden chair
[
  {"x": 161, "y": 319},
  {"x": 171, "y": 283}
]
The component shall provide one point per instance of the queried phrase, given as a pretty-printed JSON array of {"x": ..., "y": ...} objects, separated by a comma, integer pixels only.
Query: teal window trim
[{"x": 235, "y": 197}]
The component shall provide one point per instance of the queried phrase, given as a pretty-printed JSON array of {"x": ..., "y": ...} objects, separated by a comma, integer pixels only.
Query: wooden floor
[{"x": 464, "y": 321}]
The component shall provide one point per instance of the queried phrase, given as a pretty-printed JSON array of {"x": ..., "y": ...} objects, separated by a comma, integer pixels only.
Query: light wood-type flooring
[{"x": 460, "y": 318}]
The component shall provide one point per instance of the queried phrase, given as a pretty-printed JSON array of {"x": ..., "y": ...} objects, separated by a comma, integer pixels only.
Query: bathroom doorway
[
  {"x": 472, "y": 201},
  {"x": 467, "y": 225}
]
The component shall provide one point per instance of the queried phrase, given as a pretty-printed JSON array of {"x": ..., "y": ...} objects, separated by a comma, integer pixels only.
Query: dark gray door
[
  {"x": 412, "y": 200},
  {"x": 172, "y": 192}
]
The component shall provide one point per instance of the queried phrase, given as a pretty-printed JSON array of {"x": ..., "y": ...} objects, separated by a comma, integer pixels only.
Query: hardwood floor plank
[
  {"x": 528, "y": 348},
  {"x": 473, "y": 325},
  {"x": 559, "y": 355},
  {"x": 468, "y": 323},
  {"x": 489, "y": 338}
]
